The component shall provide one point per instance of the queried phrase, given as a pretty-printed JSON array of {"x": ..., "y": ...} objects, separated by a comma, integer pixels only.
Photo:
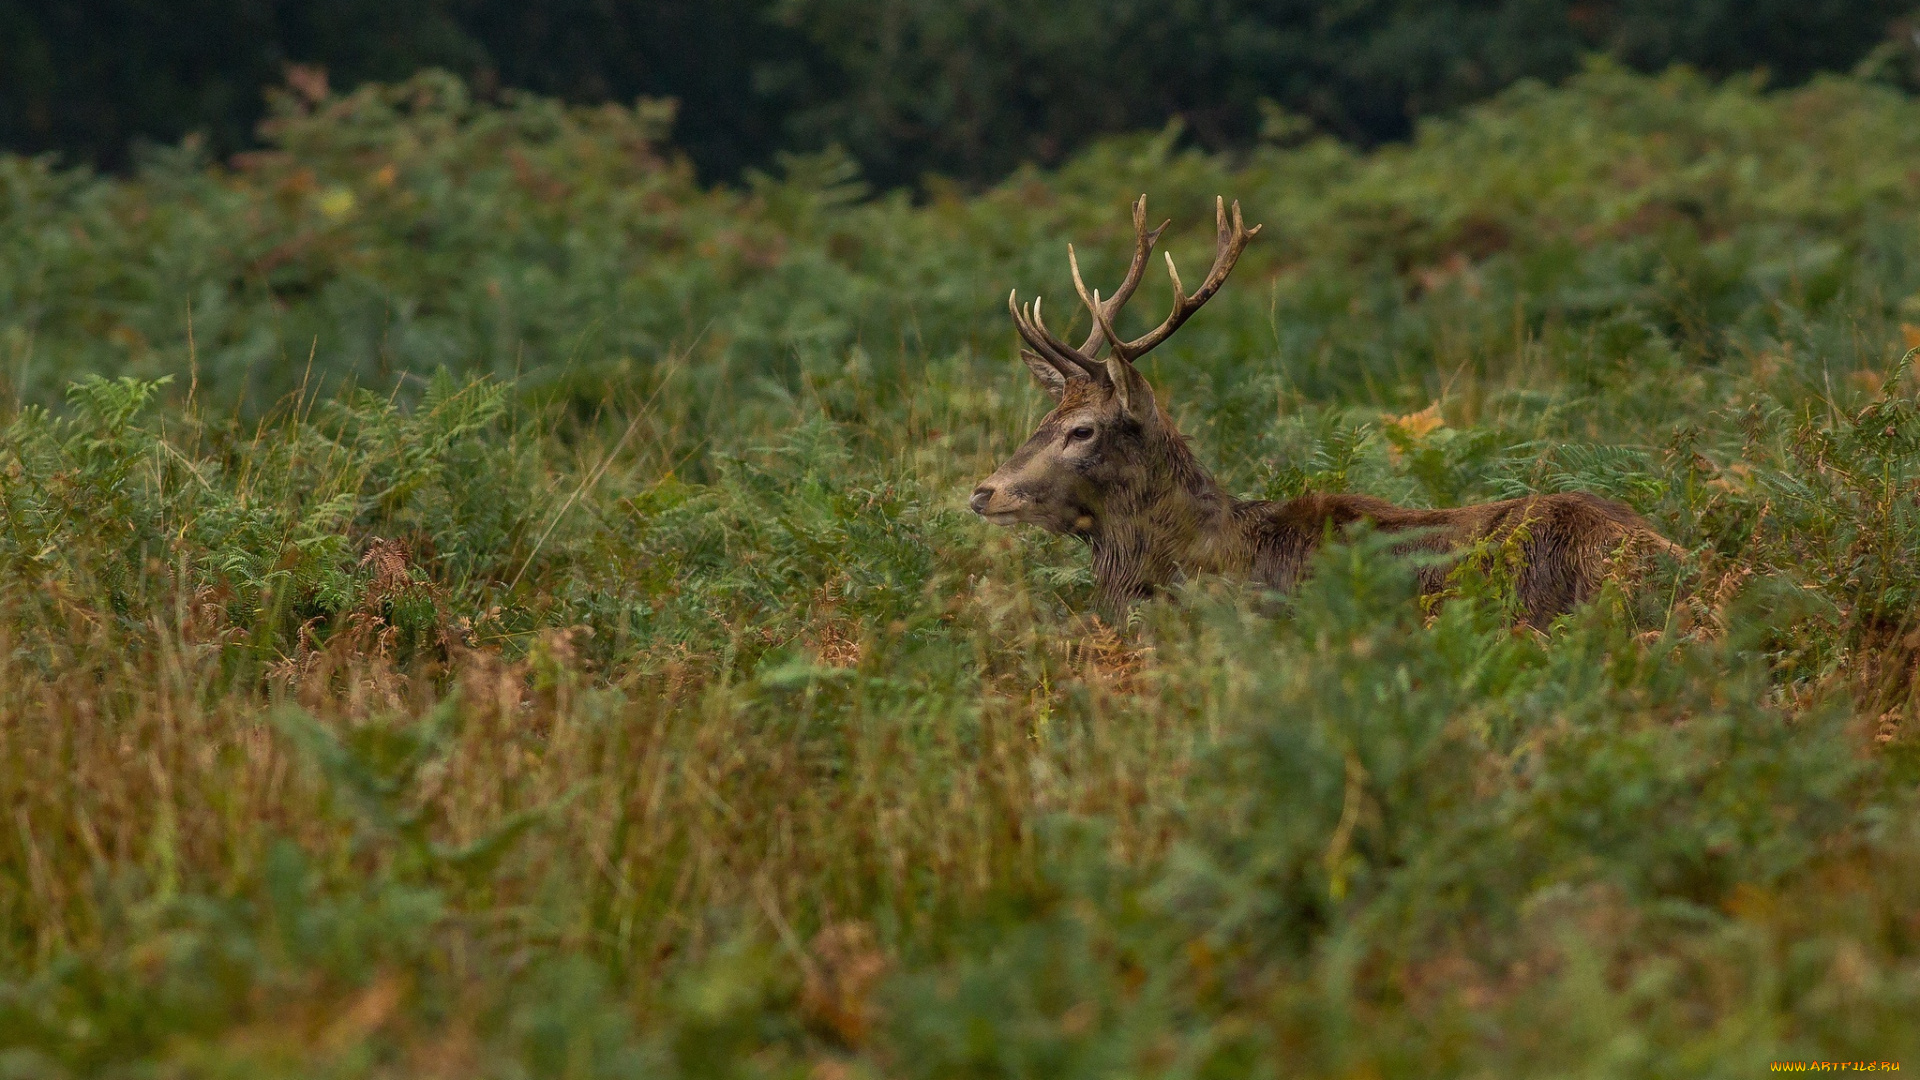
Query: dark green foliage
[
  {"x": 966, "y": 89},
  {"x": 93, "y": 78},
  {"x": 974, "y": 89}
]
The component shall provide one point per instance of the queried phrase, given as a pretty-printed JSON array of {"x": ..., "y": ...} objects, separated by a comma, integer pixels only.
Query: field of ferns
[{"x": 475, "y": 602}]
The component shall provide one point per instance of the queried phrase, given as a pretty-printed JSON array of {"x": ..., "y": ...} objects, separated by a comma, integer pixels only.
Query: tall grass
[{"x": 476, "y": 602}]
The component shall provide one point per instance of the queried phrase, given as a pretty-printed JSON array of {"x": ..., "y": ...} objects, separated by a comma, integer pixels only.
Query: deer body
[{"x": 1107, "y": 465}]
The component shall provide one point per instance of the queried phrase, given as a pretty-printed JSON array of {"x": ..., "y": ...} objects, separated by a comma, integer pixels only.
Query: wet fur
[{"x": 1152, "y": 514}]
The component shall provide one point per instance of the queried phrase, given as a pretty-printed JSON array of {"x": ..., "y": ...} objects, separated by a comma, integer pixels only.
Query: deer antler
[
  {"x": 1082, "y": 362},
  {"x": 1143, "y": 242},
  {"x": 1070, "y": 362},
  {"x": 1230, "y": 240}
]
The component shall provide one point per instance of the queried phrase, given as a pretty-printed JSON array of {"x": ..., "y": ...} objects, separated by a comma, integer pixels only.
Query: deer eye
[{"x": 1080, "y": 434}]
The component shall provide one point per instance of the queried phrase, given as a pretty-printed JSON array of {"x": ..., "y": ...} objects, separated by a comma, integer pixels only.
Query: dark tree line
[{"x": 966, "y": 88}]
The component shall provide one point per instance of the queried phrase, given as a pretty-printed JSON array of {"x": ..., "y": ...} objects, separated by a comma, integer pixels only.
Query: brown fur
[
  {"x": 1108, "y": 466},
  {"x": 1152, "y": 514}
]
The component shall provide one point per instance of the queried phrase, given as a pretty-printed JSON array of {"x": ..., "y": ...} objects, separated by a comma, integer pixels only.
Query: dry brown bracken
[{"x": 1108, "y": 466}]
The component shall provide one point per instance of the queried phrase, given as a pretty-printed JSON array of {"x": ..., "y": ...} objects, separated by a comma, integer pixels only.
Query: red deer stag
[{"x": 1108, "y": 466}]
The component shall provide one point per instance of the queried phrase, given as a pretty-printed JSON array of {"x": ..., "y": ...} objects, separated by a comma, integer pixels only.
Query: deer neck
[{"x": 1178, "y": 521}]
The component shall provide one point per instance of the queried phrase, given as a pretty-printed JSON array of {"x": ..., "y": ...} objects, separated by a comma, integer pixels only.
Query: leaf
[{"x": 1417, "y": 425}]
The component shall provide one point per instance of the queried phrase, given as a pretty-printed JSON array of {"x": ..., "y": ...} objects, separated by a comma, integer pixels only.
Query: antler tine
[
  {"x": 1102, "y": 312},
  {"x": 1230, "y": 240},
  {"x": 1027, "y": 320},
  {"x": 1032, "y": 337},
  {"x": 1087, "y": 363},
  {"x": 1143, "y": 242}
]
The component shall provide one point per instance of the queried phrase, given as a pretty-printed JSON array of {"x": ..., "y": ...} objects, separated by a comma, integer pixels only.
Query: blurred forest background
[{"x": 964, "y": 89}]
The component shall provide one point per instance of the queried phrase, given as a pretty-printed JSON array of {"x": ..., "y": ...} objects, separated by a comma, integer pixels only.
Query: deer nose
[{"x": 981, "y": 496}]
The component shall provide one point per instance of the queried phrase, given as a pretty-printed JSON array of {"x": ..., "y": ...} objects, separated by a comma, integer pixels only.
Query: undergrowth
[{"x": 473, "y": 602}]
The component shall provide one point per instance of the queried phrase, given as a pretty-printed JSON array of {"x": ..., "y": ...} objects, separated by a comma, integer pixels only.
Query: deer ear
[
  {"x": 1049, "y": 377},
  {"x": 1131, "y": 388}
]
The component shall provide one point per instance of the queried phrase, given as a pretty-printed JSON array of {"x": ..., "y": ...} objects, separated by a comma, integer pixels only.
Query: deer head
[{"x": 1107, "y": 453}]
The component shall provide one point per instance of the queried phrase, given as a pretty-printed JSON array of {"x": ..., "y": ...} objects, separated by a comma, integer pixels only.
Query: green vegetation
[
  {"x": 968, "y": 89},
  {"x": 474, "y": 601}
]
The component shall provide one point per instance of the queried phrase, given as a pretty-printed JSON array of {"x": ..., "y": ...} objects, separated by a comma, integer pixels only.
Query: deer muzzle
[{"x": 996, "y": 504}]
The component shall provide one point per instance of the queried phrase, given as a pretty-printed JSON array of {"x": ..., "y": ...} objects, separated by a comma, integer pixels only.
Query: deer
[{"x": 1108, "y": 466}]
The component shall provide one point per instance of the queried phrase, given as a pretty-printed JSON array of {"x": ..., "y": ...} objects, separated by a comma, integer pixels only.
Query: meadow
[{"x": 476, "y": 602}]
